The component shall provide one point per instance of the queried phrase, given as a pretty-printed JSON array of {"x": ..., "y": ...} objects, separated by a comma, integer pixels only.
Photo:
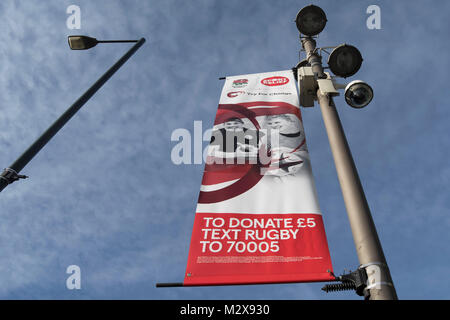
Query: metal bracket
[
  {"x": 376, "y": 263},
  {"x": 10, "y": 175},
  {"x": 322, "y": 49},
  {"x": 356, "y": 280},
  {"x": 307, "y": 86},
  {"x": 327, "y": 86}
]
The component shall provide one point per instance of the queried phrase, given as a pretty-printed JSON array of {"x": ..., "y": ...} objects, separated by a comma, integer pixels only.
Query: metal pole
[
  {"x": 367, "y": 243},
  {"x": 11, "y": 173}
]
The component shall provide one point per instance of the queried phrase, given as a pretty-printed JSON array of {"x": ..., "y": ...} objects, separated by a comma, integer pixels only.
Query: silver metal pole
[
  {"x": 368, "y": 246},
  {"x": 367, "y": 243}
]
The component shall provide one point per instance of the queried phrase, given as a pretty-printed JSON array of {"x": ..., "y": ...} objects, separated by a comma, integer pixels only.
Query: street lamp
[
  {"x": 315, "y": 84},
  {"x": 311, "y": 20},
  {"x": 345, "y": 60},
  {"x": 85, "y": 42},
  {"x": 11, "y": 174}
]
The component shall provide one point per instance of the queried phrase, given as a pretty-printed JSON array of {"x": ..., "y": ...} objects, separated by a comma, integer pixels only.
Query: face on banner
[{"x": 257, "y": 217}]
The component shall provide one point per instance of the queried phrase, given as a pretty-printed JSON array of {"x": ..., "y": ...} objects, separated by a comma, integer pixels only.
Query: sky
[{"x": 104, "y": 194}]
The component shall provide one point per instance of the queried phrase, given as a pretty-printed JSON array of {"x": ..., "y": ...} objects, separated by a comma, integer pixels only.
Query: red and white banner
[{"x": 258, "y": 218}]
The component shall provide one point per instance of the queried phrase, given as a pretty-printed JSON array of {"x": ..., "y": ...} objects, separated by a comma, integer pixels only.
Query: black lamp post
[{"x": 11, "y": 174}]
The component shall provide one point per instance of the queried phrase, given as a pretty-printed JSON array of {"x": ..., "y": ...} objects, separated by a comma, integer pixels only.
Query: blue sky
[{"x": 104, "y": 194}]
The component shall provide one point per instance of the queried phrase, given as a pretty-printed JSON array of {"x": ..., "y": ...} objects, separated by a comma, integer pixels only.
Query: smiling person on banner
[
  {"x": 289, "y": 152},
  {"x": 234, "y": 141}
]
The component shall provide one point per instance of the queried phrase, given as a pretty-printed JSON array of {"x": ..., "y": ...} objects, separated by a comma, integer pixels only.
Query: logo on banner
[
  {"x": 275, "y": 81},
  {"x": 234, "y": 94},
  {"x": 239, "y": 83}
]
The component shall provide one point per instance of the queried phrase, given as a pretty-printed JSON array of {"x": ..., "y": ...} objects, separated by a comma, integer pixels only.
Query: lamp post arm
[
  {"x": 116, "y": 41},
  {"x": 26, "y": 157}
]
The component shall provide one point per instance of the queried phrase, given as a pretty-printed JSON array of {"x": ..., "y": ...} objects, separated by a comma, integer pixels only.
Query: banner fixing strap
[{"x": 376, "y": 263}]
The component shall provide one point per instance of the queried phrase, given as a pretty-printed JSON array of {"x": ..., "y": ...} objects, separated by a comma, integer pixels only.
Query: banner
[{"x": 257, "y": 218}]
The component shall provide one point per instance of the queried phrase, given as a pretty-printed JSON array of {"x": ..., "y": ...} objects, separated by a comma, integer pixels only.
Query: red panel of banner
[{"x": 249, "y": 248}]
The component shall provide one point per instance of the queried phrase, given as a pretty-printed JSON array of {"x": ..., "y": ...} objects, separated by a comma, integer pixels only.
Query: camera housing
[{"x": 358, "y": 94}]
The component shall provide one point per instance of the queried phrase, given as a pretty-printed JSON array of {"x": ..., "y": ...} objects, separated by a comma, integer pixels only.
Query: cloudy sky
[{"x": 104, "y": 193}]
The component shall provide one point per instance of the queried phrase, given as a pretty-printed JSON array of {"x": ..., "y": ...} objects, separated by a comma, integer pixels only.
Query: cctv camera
[{"x": 358, "y": 94}]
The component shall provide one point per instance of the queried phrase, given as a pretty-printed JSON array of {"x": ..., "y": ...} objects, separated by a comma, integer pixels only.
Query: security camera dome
[{"x": 358, "y": 94}]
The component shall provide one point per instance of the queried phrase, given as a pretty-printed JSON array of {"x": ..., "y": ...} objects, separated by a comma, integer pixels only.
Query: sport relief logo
[
  {"x": 275, "y": 81},
  {"x": 239, "y": 83}
]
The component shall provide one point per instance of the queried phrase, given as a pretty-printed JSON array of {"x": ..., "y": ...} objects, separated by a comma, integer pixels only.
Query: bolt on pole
[{"x": 368, "y": 246}]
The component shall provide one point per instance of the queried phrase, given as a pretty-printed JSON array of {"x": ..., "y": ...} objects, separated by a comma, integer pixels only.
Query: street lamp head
[
  {"x": 358, "y": 94},
  {"x": 345, "y": 60},
  {"x": 311, "y": 20},
  {"x": 81, "y": 42}
]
